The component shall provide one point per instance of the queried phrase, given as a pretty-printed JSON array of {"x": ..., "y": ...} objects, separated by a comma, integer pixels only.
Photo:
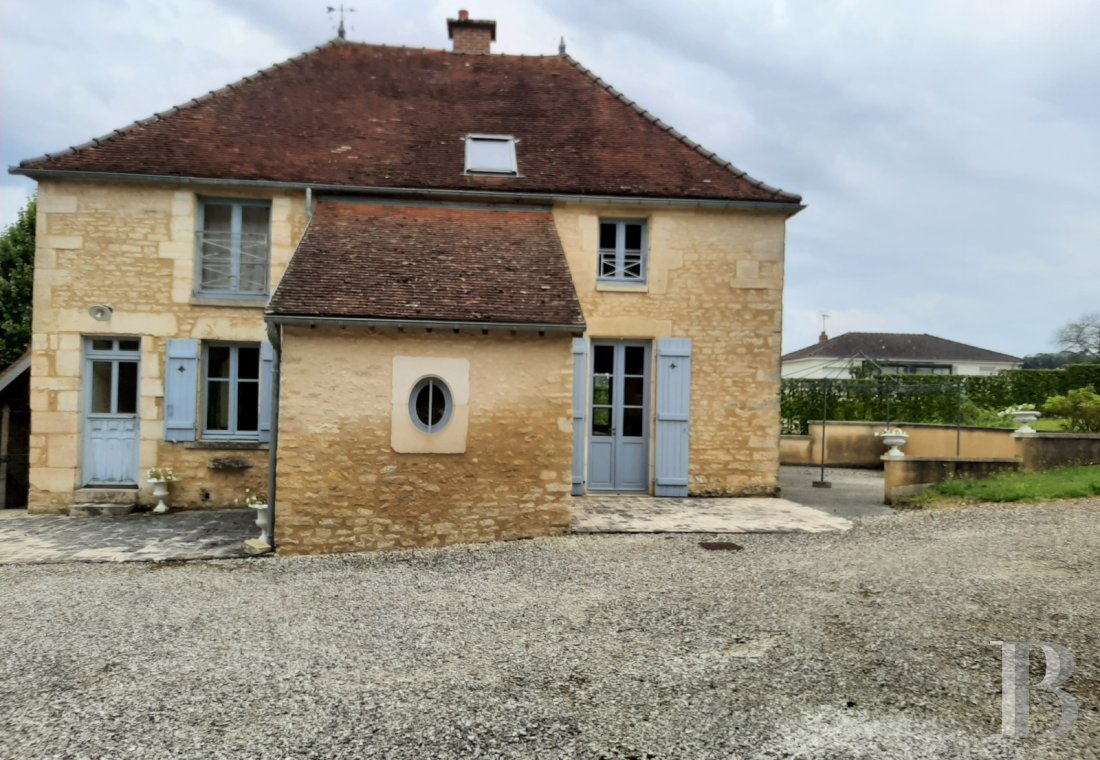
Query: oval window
[{"x": 430, "y": 404}]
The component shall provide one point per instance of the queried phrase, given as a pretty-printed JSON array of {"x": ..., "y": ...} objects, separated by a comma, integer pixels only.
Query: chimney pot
[{"x": 463, "y": 15}]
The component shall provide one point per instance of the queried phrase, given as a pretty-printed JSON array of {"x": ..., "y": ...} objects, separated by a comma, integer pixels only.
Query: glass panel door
[
  {"x": 618, "y": 450},
  {"x": 111, "y": 432}
]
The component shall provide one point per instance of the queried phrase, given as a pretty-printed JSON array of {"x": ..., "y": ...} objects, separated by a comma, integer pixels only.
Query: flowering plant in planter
[
  {"x": 258, "y": 502},
  {"x": 891, "y": 431},
  {"x": 160, "y": 477},
  {"x": 254, "y": 499},
  {"x": 1024, "y": 414},
  {"x": 893, "y": 437},
  {"x": 164, "y": 474}
]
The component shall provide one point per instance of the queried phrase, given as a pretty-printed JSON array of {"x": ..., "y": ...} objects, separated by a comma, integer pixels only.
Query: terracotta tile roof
[
  {"x": 372, "y": 261},
  {"x": 898, "y": 347},
  {"x": 353, "y": 114}
]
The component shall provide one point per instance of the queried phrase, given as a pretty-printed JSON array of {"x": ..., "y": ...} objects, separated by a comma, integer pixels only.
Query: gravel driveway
[{"x": 868, "y": 644}]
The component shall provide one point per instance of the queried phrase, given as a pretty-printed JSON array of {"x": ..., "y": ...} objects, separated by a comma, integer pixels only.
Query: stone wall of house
[
  {"x": 343, "y": 487},
  {"x": 715, "y": 276},
  {"x": 132, "y": 246}
]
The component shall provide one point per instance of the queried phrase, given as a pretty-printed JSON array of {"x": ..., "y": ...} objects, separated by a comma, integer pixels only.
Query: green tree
[
  {"x": 16, "y": 285},
  {"x": 1054, "y": 361}
]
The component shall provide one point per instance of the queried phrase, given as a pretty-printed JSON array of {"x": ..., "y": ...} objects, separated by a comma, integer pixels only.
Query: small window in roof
[{"x": 491, "y": 154}]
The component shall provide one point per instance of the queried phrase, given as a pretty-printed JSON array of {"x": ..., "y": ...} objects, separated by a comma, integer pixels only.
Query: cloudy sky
[{"x": 948, "y": 150}]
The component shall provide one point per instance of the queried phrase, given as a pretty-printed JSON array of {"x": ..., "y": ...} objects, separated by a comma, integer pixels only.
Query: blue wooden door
[
  {"x": 618, "y": 446},
  {"x": 111, "y": 427}
]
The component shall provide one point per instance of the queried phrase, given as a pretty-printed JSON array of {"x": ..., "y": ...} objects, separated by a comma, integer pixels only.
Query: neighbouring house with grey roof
[{"x": 894, "y": 354}]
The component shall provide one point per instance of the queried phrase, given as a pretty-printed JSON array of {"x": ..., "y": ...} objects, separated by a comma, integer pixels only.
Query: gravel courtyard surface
[{"x": 873, "y": 643}]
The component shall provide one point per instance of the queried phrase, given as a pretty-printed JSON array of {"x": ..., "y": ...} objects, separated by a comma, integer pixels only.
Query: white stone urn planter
[
  {"x": 1024, "y": 419},
  {"x": 895, "y": 438},
  {"x": 160, "y": 493},
  {"x": 262, "y": 515},
  {"x": 160, "y": 478}
]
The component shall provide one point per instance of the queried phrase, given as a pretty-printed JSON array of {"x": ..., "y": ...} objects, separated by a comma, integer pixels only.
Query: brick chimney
[
  {"x": 823, "y": 338},
  {"x": 471, "y": 35}
]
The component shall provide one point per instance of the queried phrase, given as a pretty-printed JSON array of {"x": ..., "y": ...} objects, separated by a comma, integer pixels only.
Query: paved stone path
[
  {"x": 29, "y": 539},
  {"x": 36, "y": 539},
  {"x": 854, "y": 494},
  {"x": 621, "y": 513}
]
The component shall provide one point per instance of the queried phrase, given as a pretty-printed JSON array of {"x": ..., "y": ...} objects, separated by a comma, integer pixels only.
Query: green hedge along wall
[{"x": 925, "y": 398}]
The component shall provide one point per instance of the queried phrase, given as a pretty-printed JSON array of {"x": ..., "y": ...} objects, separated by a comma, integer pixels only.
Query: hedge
[{"x": 924, "y": 398}]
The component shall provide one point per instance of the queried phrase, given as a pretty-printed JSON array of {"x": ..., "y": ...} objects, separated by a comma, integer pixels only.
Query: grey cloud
[{"x": 948, "y": 152}]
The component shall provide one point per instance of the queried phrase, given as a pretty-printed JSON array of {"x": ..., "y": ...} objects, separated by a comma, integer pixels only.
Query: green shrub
[
  {"x": 1080, "y": 408},
  {"x": 981, "y": 416}
]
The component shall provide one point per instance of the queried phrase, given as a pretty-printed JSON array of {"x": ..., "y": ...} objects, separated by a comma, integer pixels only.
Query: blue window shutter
[
  {"x": 673, "y": 416},
  {"x": 181, "y": 385},
  {"x": 267, "y": 363},
  {"x": 580, "y": 404}
]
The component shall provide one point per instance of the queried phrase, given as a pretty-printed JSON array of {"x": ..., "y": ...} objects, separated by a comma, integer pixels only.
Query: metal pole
[
  {"x": 889, "y": 398},
  {"x": 824, "y": 424},
  {"x": 959, "y": 421}
]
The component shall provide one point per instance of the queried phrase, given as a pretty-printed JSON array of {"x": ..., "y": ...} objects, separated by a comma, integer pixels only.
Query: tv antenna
[
  {"x": 340, "y": 32},
  {"x": 824, "y": 317}
]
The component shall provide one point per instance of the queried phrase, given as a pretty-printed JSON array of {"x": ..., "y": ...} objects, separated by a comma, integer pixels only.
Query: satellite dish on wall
[{"x": 101, "y": 312}]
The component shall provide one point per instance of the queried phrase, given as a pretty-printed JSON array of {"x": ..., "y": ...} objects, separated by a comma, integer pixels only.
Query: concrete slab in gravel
[
  {"x": 34, "y": 539},
  {"x": 621, "y": 513},
  {"x": 854, "y": 494}
]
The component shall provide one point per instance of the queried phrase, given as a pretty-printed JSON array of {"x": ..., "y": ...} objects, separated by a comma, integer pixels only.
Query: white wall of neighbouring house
[{"x": 838, "y": 369}]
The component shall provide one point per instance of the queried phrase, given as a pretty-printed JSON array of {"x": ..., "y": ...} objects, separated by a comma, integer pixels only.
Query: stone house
[{"x": 417, "y": 296}]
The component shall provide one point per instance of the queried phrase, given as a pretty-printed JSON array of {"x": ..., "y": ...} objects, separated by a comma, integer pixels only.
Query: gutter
[
  {"x": 790, "y": 208},
  {"x": 274, "y": 335},
  {"x": 278, "y": 319}
]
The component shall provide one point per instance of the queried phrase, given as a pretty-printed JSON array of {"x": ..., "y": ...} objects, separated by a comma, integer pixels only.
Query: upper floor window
[
  {"x": 234, "y": 240},
  {"x": 491, "y": 154},
  {"x": 622, "y": 250},
  {"x": 231, "y": 390}
]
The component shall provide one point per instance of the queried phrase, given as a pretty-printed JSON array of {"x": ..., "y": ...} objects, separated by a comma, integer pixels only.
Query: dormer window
[{"x": 491, "y": 154}]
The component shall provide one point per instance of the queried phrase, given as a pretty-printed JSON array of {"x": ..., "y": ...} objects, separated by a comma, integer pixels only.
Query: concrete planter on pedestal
[{"x": 894, "y": 439}]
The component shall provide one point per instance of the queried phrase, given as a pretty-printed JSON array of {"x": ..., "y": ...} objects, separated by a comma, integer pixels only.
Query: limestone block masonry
[
  {"x": 714, "y": 276},
  {"x": 342, "y": 486},
  {"x": 132, "y": 246}
]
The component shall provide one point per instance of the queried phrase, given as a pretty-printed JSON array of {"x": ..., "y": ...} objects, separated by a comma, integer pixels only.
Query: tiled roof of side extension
[
  {"x": 362, "y": 115},
  {"x": 899, "y": 347},
  {"x": 434, "y": 263}
]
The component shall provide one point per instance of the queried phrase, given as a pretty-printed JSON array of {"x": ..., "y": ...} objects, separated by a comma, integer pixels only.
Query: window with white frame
[
  {"x": 234, "y": 247},
  {"x": 622, "y": 255},
  {"x": 231, "y": 390},
  {"x": 491, "y": 154}
]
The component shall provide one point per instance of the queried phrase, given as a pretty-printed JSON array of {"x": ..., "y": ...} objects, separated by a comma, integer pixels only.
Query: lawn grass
[
  {"x": 1060, "y": 483},
  {"x": 1049, "y": 424}
]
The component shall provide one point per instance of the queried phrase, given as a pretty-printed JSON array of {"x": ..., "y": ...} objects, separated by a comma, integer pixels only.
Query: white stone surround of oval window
[{"x": 405, "y": 436}]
